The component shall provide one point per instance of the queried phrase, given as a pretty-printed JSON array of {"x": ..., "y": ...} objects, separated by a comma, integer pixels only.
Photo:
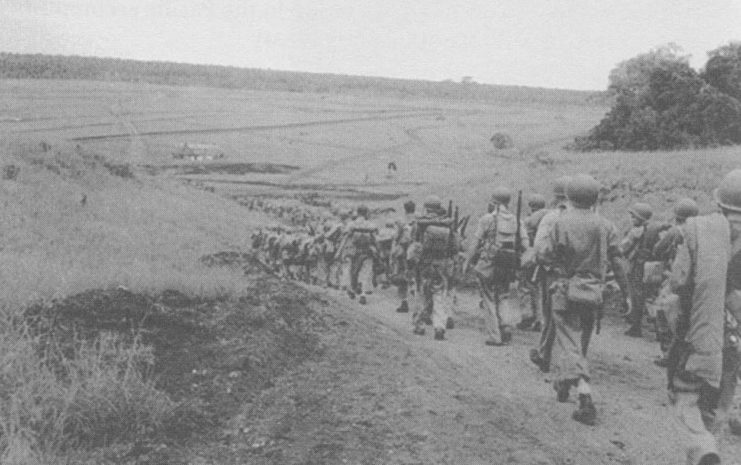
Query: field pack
[
  {"x": 437, "y": 237},
  {"x": 362, "y": 238}
]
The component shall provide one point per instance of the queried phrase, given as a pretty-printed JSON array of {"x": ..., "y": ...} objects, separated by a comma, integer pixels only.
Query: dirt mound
[{"x": 210, "y": 355}]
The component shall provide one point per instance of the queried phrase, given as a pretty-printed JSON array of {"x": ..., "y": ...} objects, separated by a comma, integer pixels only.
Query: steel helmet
[
  {"x": 409, "y": 206},
  {"x": 582, "y": 190},
  {"x": 501, "y": 195},
  {"x": 686, "y": 208},
  {"x": 559, "y": 187},
  {"x": 728, "y": 194},
  {"x": 642, "y": 211},
  {"x": 432, "y": 202},
  {"x": 536, "y": 202}
]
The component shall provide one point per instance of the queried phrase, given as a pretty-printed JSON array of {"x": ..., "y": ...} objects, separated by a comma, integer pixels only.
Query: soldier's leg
[
  {"x": 587, "y": 326},
  {"x": 572, "y": 365},
  {"x": 421, "y": 308},
  {"x": 365, "y": 277},
  {"x": 346, "y": 274},
  {"x": 491, "y": 317},
  {"x": 548, "y": 330},
  {"x": 728, "y": 381},
  {"x": 637, "y": 299},
  {"x": 701, "y": 444},
  {"x": 442, "y": 302}
]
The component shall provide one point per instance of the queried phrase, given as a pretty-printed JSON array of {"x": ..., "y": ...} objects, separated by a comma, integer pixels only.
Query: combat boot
[
  {"x": 403, "y": 308},
  {"x": 562, "y": 389},
  {"x": 439, "y": 334},
  {"x": 539, "y": 361},
  {"x": 419, "y": 331},
  {"x": 351, "y": 294},
  {"x": 525, "y": 323},
  {"x": 586, "y": 413},
  {"x": 634, "y": 331},
  {"x": 362, "y": 300},
  {"x": 536, "y": 327}
]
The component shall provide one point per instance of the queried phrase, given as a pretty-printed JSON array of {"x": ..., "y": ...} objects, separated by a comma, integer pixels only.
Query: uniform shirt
[
  {"x": 573, "y": 244},
  {"x": 546, "y": 225},
  {"x": 666, "y": 248},
  {"x": 639, "y": 242},
  {"x": 358, "y": 223},
  {"x": 532, "y": 222},
  {"x": 486, "y": 225}
]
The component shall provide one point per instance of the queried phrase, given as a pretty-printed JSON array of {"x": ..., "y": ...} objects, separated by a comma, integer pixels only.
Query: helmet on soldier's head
[
  {"x": 582, "y": 190},
  {"x": 685, "y": 208},
  {"x": 559, "y": 187},
  {"x": 728, "y": 193},
  {"x": 363, "y": 211},
  {"x": 409, "y": 206},
  {"x": 432, "y": 202},
  {"x": 642, "y": 211},
  {"x": 501, "y": 195},
  {"x": 536, "y": 202}
]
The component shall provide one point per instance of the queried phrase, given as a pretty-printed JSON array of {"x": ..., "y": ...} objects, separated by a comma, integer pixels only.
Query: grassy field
[{"x": 103, "y": 204}]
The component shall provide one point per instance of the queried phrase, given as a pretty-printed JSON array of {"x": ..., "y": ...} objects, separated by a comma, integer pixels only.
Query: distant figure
[
  {"x": 83, "y": 200},
  {"x": 392, "y": 167}
]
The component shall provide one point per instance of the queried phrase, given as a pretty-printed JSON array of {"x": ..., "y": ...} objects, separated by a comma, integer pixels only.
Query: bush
[
  {"x": 673, "y": 108},
  {"x": 501, "y": 140}
]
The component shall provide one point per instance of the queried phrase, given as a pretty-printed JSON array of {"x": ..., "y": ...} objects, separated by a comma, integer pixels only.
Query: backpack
[
  {"x": 436, "y": 237},
  {"x": 362, "y": 239},
  {"x": 502, "y": 260}
]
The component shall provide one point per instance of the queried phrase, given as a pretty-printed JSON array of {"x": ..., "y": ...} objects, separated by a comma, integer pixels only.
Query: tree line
[{"x": 36, "y": 66}]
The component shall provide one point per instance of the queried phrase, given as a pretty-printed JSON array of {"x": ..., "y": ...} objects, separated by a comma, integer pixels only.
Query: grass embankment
[{"x": 109, "y": 316}]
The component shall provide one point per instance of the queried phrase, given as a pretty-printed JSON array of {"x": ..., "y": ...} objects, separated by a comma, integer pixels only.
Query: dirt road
[{"x": 381, "y": 395}]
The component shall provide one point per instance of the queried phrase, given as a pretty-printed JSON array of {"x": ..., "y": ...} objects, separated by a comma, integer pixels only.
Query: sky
[{"x": 546, "y": 43}]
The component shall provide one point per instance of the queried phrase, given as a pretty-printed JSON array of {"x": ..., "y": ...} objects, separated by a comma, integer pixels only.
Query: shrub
[
  {"x": 501, "y": 140},
  {"x": 673, "y": 107}
]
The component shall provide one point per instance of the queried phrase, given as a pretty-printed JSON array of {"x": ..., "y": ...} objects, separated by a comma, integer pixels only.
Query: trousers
[{"x": 435, "y": 298}]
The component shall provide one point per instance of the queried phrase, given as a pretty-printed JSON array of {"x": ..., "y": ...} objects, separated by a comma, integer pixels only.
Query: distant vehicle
[{"x": 198, "y": 152}]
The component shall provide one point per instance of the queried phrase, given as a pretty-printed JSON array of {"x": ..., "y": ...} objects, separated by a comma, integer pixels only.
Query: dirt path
[{"x": 381, "y": 395}]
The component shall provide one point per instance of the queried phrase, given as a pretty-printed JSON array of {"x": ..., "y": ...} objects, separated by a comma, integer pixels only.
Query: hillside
[{"x": 23, "y": 66}]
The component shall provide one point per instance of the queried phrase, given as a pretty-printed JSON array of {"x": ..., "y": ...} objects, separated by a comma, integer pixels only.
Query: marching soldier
[
  {"x": 495, "y": 244},
  {"x": 544, "y": 276},
  {"x": 577, "y": 250},
  {"x": 400, "y": 269},
  {"x": 528, "y": 287},
  {"x": 431, "y": 254},
  {"x": 665, "y": 251},
  {"x": 704, "y": 358},
  {"x": 359, "y": 252},
  {"x": 637, "y": 247}
]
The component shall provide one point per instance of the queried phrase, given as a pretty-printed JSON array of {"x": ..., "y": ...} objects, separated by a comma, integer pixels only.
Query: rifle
[{"x": 518, "y": 234}]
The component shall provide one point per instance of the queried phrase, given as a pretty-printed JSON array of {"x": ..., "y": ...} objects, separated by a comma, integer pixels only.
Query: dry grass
[{"x": 127, "y": 232}]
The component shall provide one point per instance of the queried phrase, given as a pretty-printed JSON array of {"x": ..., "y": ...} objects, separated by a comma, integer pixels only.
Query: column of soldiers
[{"x": 682, "y": 277}]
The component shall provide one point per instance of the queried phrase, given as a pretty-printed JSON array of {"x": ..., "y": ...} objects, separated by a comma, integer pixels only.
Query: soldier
[
  {"x": 704, "y": 358},
  {"x": 359, "y": 252},
  {"x": 400, "y": 270},
  {"x": 494, "y": 242},
  {"x": 577, "y": 249},
  {"x": 337, "y": 269},
  {"x": 637, "y": 247},
  {"x": 528, "y": 288},
  {"x": 544, "y": 276},
  {"x": 385, "y": 242},
  {"x": 665, "y": 250},
  {"x": 431, "y": 254}
]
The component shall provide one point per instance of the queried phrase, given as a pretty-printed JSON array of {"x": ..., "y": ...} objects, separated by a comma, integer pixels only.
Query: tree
[
  {"x": 723, "y": 69},
  {"x": 633, "y": 75}
]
